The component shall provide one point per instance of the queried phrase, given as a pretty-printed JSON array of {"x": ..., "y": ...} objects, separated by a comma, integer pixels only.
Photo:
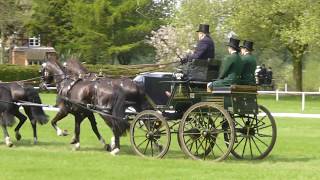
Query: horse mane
[
  {"x": 54, "y": 61},
  {"x": 74, "y": 66}
]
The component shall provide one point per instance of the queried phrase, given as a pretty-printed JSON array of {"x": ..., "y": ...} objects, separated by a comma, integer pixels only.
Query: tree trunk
[
  {"x": 297, "y": 72},
  {"x": 2, "y": 53},
  {"x": 297, "y": 50}
]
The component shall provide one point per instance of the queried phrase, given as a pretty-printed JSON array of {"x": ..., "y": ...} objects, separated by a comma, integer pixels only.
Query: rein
[{"x": 31, "y": 79}]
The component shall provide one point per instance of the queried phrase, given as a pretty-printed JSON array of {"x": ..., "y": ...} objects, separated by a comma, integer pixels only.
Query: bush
[{"x": 14, "y": 73}]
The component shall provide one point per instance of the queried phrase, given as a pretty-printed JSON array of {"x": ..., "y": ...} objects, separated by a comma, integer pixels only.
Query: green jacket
[
  {"x": 249, "y": 63},
  {"x": 230, "y": 71}
]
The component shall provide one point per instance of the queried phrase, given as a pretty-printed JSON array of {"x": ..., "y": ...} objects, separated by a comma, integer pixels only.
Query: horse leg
[
  {"x": 78, "y": 121},
  {"x": 60, "y": 115},
  {"x": 6, "y": 136},
  {"x": 22, "y": 118},
  {"x": 112, "y": 142},
  {"x": 96, "y": 131},
  {"x": 34, "y": 128},
  {"x": 116, "y": 149}
]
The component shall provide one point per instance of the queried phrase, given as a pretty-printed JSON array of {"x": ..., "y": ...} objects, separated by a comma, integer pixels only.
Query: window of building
[
  {"x": 34, "y": 41},
  {"x": 34, "y": 62}
]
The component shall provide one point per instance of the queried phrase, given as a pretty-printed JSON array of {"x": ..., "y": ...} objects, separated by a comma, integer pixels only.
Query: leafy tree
[
  {"x": 12, "y": 16},
  {"x": 52, "y": 20},
  {"x": 99, "y": 30},
  {"x": 291, "y": 24}
]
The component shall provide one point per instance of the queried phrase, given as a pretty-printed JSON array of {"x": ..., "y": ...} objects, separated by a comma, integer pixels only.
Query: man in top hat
[
  {"x": 231, "y": 68},
  {"x": 249, "y": 63},
  {"x": 198, "y": 61}
]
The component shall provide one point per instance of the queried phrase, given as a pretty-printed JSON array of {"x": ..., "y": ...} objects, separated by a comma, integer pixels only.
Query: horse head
[{"x": 51, "y": 72}]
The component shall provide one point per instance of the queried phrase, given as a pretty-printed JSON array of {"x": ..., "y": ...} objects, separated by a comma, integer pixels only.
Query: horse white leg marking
[
  {"x": 8, "y": 141},
  {"x": 35, "y": 140},
  {"x": 115, "y": 151},
  {"x": 59, "y": 131},
  {"x": 113, "y": 142},
  {"x": 77, "y": 146}
]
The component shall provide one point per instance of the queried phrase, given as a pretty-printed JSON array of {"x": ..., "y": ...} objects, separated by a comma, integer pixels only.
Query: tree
[
  {"x": 52, "y": 20},
  {"x": 99, "y": 30},
  {"x": 181, "y": 36},
  {"x": 291, "y": 24},
  {"x": 12, "y": 16}
]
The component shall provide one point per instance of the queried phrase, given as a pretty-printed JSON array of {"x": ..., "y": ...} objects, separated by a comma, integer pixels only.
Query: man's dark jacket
[
  {"x": 198, "y": 61},
  {"x": 204, "y": 50}
]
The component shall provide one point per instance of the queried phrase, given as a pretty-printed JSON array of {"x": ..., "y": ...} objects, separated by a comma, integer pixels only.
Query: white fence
[
  {"x": 276, "y": 93},
  {"x": 302, "y": 94}
]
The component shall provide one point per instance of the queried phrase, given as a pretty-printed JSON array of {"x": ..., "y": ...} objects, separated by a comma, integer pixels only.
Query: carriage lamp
[{"x": 178, "y": 75}]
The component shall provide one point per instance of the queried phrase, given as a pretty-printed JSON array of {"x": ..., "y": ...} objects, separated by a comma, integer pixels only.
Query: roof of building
[{"x": 35, "y": 52}]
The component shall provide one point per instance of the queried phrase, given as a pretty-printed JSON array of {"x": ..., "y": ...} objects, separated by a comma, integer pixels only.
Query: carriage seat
[
  {"x": 244, "y": 88},
  {"x": 236, "y": 89}
]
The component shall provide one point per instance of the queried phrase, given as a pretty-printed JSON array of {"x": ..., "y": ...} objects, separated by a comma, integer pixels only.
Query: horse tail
[
  {"x": 6, "y": 118},
  {"x": 120, "y": 124},
  {"x": 35, "y": 113}
]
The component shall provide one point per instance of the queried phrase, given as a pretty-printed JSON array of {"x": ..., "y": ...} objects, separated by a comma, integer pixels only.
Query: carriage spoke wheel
[
  {"x": 202, "y": 132},
  {"x": 255, "y": 135},
  {"x": 150, "y": 134}
]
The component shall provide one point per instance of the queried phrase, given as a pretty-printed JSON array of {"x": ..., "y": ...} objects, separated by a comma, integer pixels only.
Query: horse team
[{"x": 79, "y": 93}]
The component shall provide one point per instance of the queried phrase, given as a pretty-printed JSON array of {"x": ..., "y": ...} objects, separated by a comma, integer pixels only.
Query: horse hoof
[
  {"x": 107, "y": 147},
  {"x": 115, "y": 151},
  {"x": 62, "y": 133},
  {"x": 65, "y": 133},
  {"x": 18, "y": 136},
  {"x": 35, "y": 141},
  {"x": 73, "y": 141},
  {"x": 8, "y": 142},
  {"x": 76, "y": 147}
]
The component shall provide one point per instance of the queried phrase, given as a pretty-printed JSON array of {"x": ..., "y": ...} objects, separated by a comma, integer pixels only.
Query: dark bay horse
[
  {"x": 133, "y": 92},
  {"x": 75, "y": 94},
  {"x": 22, "y": 92},
  {"x": 6, "y": 118}
]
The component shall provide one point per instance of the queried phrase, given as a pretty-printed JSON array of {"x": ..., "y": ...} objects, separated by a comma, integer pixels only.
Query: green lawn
[{"x": 296, "y": 154}]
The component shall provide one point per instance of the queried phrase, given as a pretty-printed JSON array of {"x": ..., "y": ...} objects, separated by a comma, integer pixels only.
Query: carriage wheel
[
  {"x": 150, "y": 134},
  {"x": 255, "y": 135},
  {"x": 202, "y": 132}
]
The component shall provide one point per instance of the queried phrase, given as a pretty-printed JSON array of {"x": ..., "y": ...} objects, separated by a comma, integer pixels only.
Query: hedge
[{"x": 14, "y": 72}]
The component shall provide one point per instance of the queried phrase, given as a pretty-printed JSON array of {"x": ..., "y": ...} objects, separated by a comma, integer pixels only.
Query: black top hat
[
  {"x": 234, "y": 43},
  {"x": 248, "y": 45},
  {"x": 204, "y": 28}
]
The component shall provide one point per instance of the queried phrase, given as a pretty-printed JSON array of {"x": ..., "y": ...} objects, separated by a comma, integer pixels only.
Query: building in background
[{"x": 29, "y": 51}]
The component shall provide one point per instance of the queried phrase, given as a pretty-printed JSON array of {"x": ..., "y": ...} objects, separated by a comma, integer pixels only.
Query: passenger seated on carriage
[
  {"x": 231, "y": 68},
  {"x": 196, "y": 64},
  {"x": 249, "y": 64}
]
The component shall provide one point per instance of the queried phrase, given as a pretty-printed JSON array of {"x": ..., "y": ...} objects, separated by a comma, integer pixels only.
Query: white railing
[
  {"x": 276, "y": 93},
  {"x": 302, "y": 94}
]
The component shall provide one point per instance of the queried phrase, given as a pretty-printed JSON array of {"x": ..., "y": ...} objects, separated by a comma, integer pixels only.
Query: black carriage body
[{"x": 235, "y": 99}]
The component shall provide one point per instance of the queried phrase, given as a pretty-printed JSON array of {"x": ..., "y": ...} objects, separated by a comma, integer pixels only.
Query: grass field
[{"x": 296, "y": 154}]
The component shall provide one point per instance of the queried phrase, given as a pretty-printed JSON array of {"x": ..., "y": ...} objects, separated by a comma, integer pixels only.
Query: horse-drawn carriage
[{"x": 209, "y": 125}]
